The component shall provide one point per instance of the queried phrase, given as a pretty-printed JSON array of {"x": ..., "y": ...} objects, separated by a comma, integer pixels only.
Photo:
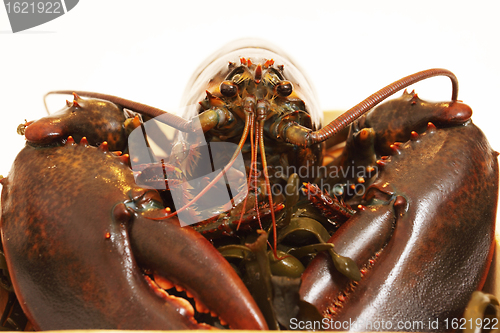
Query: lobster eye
[
  {"x": 284, "y": 88},
  {"x": 228, "y": 89}
]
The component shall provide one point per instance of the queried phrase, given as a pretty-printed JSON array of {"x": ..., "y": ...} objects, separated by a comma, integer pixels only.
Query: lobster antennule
[
  {"x": 251, "y": 122},
  {"x": 262, "y": 109}
]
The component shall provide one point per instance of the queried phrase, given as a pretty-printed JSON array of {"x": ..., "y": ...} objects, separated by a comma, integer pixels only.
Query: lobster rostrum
[{"x": 257, "y": 100}]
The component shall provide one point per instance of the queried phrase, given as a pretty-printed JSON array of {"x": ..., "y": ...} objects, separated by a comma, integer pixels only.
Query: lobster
[{"x": 248, "y": 101}]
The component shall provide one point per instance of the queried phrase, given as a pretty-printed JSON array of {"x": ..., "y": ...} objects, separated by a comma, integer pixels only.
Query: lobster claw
[
  {"x": 195, "y": 265},
  {"x": 71, "y": 250},
  {"x": 426, "y": 250},
  {"x": 328, "y": 292}
]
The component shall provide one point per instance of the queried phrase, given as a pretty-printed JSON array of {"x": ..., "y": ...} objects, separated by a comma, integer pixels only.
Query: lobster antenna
[
  {"x": 302, "y": 136},
  {"x": 168, "y": 118},
  {"x": 260, "y": 130}
]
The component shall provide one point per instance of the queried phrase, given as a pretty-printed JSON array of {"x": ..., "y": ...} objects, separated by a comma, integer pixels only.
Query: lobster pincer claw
[
  {"x": 70, "y": 252},
  {"x": 185, "y": 258},
  {"x": 429, "y": 251}
]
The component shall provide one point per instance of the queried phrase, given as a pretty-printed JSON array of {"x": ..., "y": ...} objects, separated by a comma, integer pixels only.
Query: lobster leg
[{"x": 358, "y": 155}]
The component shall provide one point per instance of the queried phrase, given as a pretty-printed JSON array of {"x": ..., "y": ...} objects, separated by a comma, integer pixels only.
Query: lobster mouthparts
[{"x": 81, "y": 251}]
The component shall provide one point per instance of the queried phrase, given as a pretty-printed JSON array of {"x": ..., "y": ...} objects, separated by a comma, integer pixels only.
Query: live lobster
[{"x": 253, "y": 98}]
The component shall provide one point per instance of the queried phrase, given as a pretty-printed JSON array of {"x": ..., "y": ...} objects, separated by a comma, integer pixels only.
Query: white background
[{"x": 147, "y": 50}]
